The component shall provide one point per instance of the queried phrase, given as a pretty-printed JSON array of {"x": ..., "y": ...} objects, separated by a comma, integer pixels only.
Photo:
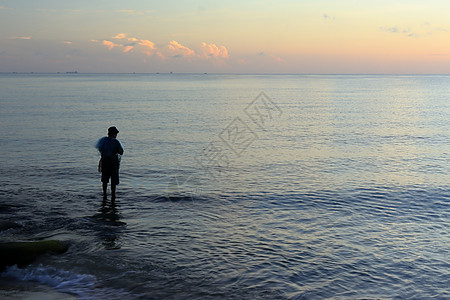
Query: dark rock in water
[
  {"x": 23, "y": 253},
  {"x": 4, "y": 225}
]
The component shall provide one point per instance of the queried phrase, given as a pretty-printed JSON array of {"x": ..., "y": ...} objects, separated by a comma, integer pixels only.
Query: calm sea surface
[{"x": 232, "y": 186}]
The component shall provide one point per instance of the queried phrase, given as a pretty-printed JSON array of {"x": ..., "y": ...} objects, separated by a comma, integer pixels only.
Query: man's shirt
[{"x": 109, "y": 147}]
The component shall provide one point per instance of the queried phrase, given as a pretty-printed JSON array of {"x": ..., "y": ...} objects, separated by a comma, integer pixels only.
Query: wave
[{"x": 83, "y": 286}]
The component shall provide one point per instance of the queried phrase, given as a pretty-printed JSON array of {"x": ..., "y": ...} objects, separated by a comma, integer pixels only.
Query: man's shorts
[{"x": 110, "y": 169}]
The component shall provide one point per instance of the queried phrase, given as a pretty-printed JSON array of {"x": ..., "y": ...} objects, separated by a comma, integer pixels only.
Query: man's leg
[
  {"x": 113, "y": 191},
  {"x": 114, "y": 182},
  {"x": 105, "y": 186}
]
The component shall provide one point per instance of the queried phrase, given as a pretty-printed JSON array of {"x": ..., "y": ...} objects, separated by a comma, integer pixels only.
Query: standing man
[{"x": 111, "y": 150}]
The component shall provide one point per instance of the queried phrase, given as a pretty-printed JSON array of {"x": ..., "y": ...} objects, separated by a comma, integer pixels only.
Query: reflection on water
[{"x": 109, "y": 229}]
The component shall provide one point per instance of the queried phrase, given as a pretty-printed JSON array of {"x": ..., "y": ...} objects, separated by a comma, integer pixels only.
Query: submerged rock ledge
[{"x": 23, "y": 253}]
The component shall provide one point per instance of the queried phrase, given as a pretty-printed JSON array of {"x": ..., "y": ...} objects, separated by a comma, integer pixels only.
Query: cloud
[
  {"x": 133, "y": 12},
  {"x": 327, "y": 17},
  {"x": 173, "y": 50},
  {"x": 128, "y": 48},
  {"x": 214, "y": 51},
  {"x": 67, "y": 42},
  {"x": 110, "y": 44},
  {"x": 389, "y": 29},
  {"x": 180, "y": 50},
  {"x": 123, "y": 36},
  {"x": 146, "y": 43},
  {"x": 2, "y": 7},
  {"x": 120, "y": 36},
  {"x": 149, "y": 47},
  {"x": 426, "y": 26},
  {"x": 425, "y": 30},
  {"x": 127, "y": 44},
  {"x": 409, "y": 33},
  {"x": 395, "y": 30},
  {"x": 20, "y": 38}
]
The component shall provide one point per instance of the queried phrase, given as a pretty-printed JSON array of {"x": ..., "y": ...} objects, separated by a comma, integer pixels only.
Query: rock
[{"x": 23, "y": 253}]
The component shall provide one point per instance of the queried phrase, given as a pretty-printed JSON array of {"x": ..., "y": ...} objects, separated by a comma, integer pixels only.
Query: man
[{"x": 110, "y": 149}]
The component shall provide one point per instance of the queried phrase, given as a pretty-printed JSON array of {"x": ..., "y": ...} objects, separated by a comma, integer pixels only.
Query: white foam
[{"x": 84, "y": 286}]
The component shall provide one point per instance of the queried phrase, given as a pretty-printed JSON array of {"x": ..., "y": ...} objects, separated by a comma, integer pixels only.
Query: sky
[{"x": 234, "y": 36}]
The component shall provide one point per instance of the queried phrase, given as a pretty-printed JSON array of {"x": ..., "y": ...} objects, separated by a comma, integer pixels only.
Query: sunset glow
[{"x": 214, "y": 36}]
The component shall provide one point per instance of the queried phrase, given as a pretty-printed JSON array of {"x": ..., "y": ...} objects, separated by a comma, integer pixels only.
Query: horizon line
[{"x": 74, "y": 73}]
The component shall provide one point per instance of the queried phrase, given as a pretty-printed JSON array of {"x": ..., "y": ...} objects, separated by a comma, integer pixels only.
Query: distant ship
[{"x": 75, "y": 72}]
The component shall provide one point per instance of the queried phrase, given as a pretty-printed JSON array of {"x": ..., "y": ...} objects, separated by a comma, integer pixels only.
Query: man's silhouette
[{"x": 110, "y": 149}]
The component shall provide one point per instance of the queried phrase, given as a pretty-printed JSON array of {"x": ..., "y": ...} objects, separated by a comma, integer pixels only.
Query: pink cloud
[
  {"x": 160, "y": 55},
  {"x": 143, "y": 46},
  {"x": 206, "y": 51},
  {"x": 120, "y": 36},
  {"x": 149, "y": 47},
  {"x": 146, "y": 43},
  {"x": 123, "y": 36},
  {"x": 212, "y": 50},
  {"x": 20, "y": 38},
  {"x": 110, "y": 44},
  {"x": 127, "y": 48},
  {"x": 180, "y": 50}
]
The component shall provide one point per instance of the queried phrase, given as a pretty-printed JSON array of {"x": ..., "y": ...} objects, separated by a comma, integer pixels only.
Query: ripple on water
[{"x": 368, "y": 243}]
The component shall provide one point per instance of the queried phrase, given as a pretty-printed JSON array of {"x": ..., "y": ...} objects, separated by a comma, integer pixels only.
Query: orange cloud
[
  {"x": 127, "y": 48},
  {"x": 123, "y": 36},
  {"x": 216, "y": 54},
  {"x": 148, "y": 44},
  {"x": 120, "y": 36},
  {"x": 212, "y": 50},
  {"x": 180, "y": 50},
  {"x": 149, "y": 47},
  {"x": 110, "y": 44},
  {"x": 20, "y": 38}
]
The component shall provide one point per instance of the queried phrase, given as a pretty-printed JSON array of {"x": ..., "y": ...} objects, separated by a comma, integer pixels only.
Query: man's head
[{"x": 112, "y": 131}]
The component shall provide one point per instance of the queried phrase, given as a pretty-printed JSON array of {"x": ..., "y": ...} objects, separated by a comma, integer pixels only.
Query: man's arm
[{"x": 119, "y": 148}]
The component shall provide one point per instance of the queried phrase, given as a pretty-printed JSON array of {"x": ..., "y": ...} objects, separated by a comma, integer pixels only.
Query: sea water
[{"x": 232, "y": 186}]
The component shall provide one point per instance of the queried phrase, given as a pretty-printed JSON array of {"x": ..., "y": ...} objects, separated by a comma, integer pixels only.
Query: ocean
[{"x": 232, "y": 186}]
